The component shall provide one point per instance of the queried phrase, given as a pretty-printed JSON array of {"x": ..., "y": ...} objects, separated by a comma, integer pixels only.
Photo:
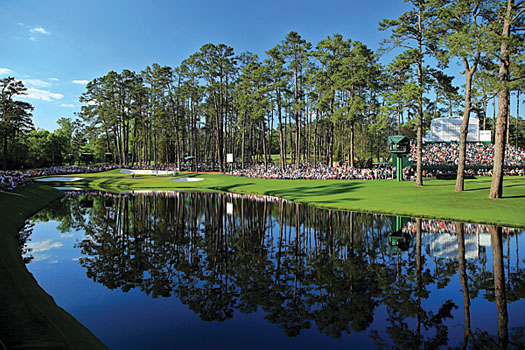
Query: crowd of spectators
[
  {"x": 442, "y": 226},
  {"x": 162, "y": 167},
  {"x": 409, "y": 173},
  {"x": 434, "y": 154},
  {"x": 320, "y": 171},
  {"x": 184, "y": 166},
  {"x": 9, "y": 180},
  {"x": 442, "y": 153},
  {"x": 69, "y": 169}
]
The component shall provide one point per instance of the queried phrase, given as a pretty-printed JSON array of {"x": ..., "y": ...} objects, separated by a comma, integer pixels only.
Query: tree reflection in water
[{"x": 301, "y": 265}]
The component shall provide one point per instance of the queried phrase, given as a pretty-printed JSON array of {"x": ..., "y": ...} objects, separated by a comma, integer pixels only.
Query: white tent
[{"x": 447, "y": 130}]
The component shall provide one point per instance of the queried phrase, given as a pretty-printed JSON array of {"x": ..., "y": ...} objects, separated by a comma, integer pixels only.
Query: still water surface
[{"x": 192, "y": 270}]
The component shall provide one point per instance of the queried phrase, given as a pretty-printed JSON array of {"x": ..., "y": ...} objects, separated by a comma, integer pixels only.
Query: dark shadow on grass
[
  {"x": 477, "y": 189},
  {"x": 319, "y": 190},
  {"x": 300, "y": 192},
  {"x": 331, "y": 203},
  {"x": 103, "y": 183},
  {"x": 488, "y": 187},
  {"x": 231, "y": 188},
  {"x": 516, "y": 185}
]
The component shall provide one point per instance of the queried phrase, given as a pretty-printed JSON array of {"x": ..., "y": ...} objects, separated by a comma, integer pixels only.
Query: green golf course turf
[
  {"x": 436, "y": 199},
  {"x": 29, "y": 317}
]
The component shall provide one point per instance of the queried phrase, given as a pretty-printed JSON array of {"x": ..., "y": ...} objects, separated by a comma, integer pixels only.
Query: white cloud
[
  {"x": 43, "y": 95},
  {"x": 36, "y": 83},
  {"x": 43, "y": 246},
  {"x": 82, "y": 82},
  {"x": 32, "y": 38},
  {"x": 53, "y": 79},
  {"x": 39, "y": 30},
  {"x": 40, "y": 257},
  {"x": 5, "y": 71},
  {"x": 67, "y": 105}
]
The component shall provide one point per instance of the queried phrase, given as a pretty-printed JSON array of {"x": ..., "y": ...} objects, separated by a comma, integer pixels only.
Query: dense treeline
[
  {"x": 300, "y": 102},
  {"x": 334, "y": 102}
]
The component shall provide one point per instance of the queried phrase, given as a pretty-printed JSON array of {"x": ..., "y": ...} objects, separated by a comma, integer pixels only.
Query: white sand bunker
[
  {"x": 188, "y": 179},
  {"x": 60, "y": 179},
  {"x": 65, "y": 188}
]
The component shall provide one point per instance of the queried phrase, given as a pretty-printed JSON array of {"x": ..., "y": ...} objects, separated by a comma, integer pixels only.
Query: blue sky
[{"x": 55, "y": 46}]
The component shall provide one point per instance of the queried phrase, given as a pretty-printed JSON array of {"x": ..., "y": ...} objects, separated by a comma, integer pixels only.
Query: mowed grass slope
[
  {"x": 436, "y": 199},
  {"x": 29, "y": 317}
]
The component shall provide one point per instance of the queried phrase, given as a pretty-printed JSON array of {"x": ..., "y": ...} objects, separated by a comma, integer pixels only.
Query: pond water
[{"x": 184, "y": 270}]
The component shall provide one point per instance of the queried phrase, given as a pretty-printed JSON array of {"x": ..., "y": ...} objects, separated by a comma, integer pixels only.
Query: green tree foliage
[
  {"x": 296, "y": 51},
  {"x": 15, "y": 118},
  {"x": 216, "y": 102},
  {"x": 510, "y": 41},
  {"x": 415, "y": 32},
  {"x": 465, "y": 30},
  {"x": 44, "y": 148}
]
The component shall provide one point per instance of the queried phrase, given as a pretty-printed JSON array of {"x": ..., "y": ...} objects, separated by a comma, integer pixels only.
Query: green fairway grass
[
  {"x": 29, "y": 318},
  {"x": 436, "y": 199}
]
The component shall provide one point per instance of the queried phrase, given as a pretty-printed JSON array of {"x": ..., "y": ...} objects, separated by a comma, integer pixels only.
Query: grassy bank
[
  {"x": 29, "y": 317},
  {"x": 436, "y": 199}
]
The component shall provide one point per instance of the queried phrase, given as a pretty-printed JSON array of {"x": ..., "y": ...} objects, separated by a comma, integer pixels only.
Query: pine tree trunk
[
  {"x": 493, "y": 131},
  {"x": 271, "y": 137},
  {"x": 297, "y": 117},
  {"x": 419, "y": 277},
  {"x": 484, "y": 111},
  {"x": 309, "y": 137},
  {"x": 507, "y": 134},
  {"x": 316, "y": 139},
  {"x": 243, "y": 141},
  {"x": 4, "y": 152},
  {"x": 288, "y": 133},
  {"x": 419, "y": 166},
  {"x": 281, "y": 135},
  {"x": 155, "y": 149},
  {"x": 352, "y": 145},
  {"x": 464, "y": 280},
  {"x": 517, "y": 115},
  {"x": 496, "y": 188},
  {"x": 331, "y": 145},
  {"x": 398, "y": 109},
  {"x": 499, "y": 285},
  {"x": 463, "y": 131},
  {"x": 263, "y": 141}
]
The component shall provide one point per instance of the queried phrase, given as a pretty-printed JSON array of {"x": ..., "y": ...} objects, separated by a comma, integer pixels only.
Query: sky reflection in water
[{"x": 179, "y": 270}]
